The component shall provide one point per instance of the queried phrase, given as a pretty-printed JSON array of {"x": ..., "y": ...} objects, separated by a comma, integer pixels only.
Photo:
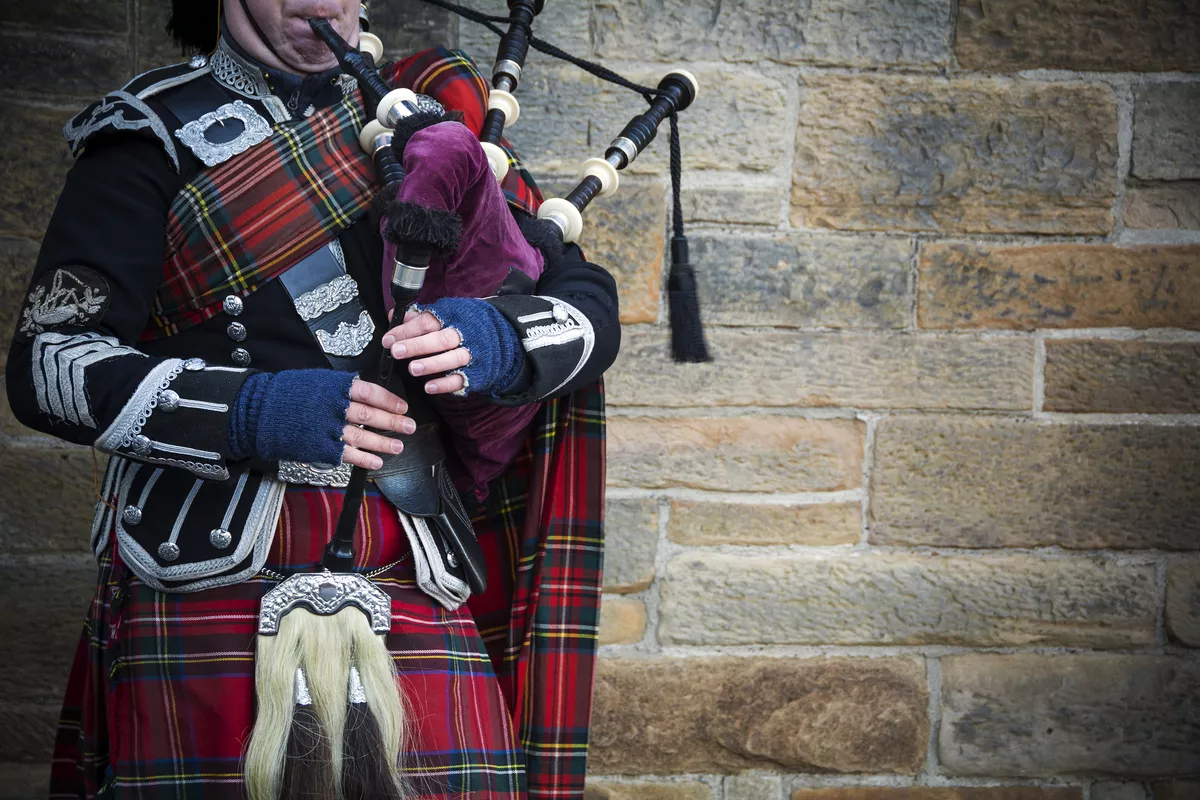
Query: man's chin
[{"x": 312, "y": 57}]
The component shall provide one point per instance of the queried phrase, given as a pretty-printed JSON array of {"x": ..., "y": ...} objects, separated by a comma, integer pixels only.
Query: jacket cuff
[{"x": 558, "y": 339}]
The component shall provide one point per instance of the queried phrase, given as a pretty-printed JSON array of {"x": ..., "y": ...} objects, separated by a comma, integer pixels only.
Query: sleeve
[
  {"x": 569, "y": 328},
  {"x": 74, "y": 369}
]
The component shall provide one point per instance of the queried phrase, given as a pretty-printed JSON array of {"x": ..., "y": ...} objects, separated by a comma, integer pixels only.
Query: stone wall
[{"x": 928, "y": 528}]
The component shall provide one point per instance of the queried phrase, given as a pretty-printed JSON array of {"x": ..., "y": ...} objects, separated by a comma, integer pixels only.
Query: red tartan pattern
[
  {"x": 161, "y": 694},
  {"x": 238, "y": 225}
]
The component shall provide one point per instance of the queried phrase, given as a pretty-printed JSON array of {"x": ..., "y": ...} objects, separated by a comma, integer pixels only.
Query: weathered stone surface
[
  {"x": 1164, "y": 206},
  {"x": 625, "y": 233},
  {"x": 37, "y": 159},
  {"x": 736, "y": 126},
  {"x": 408, "y": 26},
  {"x": 100, "y": 16},
  {"x": 671, "y": 716},
  {"x": 752, "y": 787},
  {"x": 17, "y": 257},
  {"x": 869, "y": 33},
  {"x": 622, "y": 620},
  {"x": 985, "y": 482},
  {"x": 24, "y": 781},
  {"x": 1175, "y": 790},
  {"x": 700, "y": 523},
  {"x": 27, "y": 57},
  {"x": 154, "y": 47},
  {"x": 969, "y": 155},
  {"x": 717, "y": 599},
  {"x": 1119, "y": 791},
  {"x": 11, "y": 430},
  {"x": 1050, "y": 715},
  {"x": 564, "y": 22},
  {"x": 941, "y": 793},
  {"x": 1134, "y": 376},
  {"x": 44, "y": 600},
  {"x": 1166, "y": 130},
  {"x": 1183, "y": 601},
  {"x": 29, "y": 475},
  {"x": 27, "y": 730},
  {"x": 1059, "y": 286},
  {"x": 742, "y": 204},
  {"x": 1152, "y": 35},
  {"x": 803, "y": 280},
  {"x": 683, "y": 790},
  {"x": 725, "y": 454},
  {"x": 630, "y": 542},
  {"x": 826, "y": 369}
]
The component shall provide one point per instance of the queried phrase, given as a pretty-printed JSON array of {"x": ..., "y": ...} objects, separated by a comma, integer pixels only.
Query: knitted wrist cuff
[
  {"x": 497, "y": 359},
  {"x": 296, "y": 415}
]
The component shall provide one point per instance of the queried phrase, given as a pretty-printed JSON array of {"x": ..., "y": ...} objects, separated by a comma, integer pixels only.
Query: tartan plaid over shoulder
[{"x": 238, "y": 225}]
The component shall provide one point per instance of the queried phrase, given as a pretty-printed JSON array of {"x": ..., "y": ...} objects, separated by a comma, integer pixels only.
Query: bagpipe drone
[{"x": 330, "y": 720}]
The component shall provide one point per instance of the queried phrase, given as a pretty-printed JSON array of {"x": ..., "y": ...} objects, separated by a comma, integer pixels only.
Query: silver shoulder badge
[{"x": 195, "y": 134}]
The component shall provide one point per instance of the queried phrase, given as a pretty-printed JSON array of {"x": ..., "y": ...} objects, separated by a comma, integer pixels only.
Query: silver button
[
  {"x": 194, "y": 364},
  {"x": 141, "y": 445},
  {"x": 198, "y": 61},
  {"x": 132, "y": 515},
  {"x": 233, "y": 305},
  {"x": 236, "y": 331},
  {"x": 451, "y": 560},
  {"x": 241, "y": 356},
  {"x": 169, "y": 400},
  {"x": 220, "y": 538},
  {"x": 168, "y": 551},
  {"x": 560, "y": 314}
]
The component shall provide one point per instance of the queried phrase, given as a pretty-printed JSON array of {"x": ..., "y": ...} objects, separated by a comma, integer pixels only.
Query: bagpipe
[{"x": 330, "y": 721}]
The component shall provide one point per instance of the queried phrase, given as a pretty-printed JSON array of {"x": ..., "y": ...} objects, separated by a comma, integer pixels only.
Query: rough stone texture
[
  {"x": 1059, "y": 286},
  {"x": 856, "y": 370},
  {"x": 1133, "y": 376},
  {"x": 1166, "y": 130},
  {"x": 1046, "y": 715},
  {"x": 1166, "y": 206},
  {"x": 622, "y": 620},
  {"x": 1183, "y": 602},
  {"x": 26, "y": 57},
  {"x": 1012, "y": 35},
  {"x": 665, "y": 716},
  {"x": 736, "y": 205},
  {"x": 630, "y": 541},
  {"x": 17, "y": 257},
  {"x": 752, "y": 787},
  {"x": 717, "y": 599},
  {"x": 967, "y": 155},
  {"x": 803, "y": 280},
  {"x": 724, "y": 454},
  {"x": 31, "y": 474},
  {"x": 99, "y": 16},
  {"x": 700, "y": 523},
  {"x": 154, "y": 47},
  {"x": 869, "y": 33},
  {"x": 737, "y": 125},
  {"x": 407, "y": 26},
  {"x": 1175, "y": 790},
  {"x": 32, "y": 146},
  {"x": 566, "y": 23},
  {"x": 683, "y": 790},
  {"x": 44, "y": 600},
  {"x": 27, "y": 730},
  {"x": 625, "y": 234},
  {"x": 12, "y": 430},
  {"x": 1119, "y": 791},
  {"x": 24, "y": 781},
  {"x": 942, "y": 793},
  {"x": 986, "y": 482}
]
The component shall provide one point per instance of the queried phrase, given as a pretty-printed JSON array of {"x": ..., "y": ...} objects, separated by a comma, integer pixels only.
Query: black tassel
[
  {"x": 365, "y": 773},
  {"x": 415, "y": 224},
  {"x": 687, "y": 331},
  {"x": 308, "y": 769}
]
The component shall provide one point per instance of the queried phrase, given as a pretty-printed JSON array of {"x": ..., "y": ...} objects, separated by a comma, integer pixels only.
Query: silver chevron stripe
[
  {"x": 348, "y": 340},
  {"x": 59, "y": 377},
  {"x": 326, "y": 297}
]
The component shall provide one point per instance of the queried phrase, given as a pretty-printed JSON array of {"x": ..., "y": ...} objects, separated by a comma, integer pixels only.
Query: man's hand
[
  {"x": 423, "y": 335},
  {"x": 375, "y": 407}
]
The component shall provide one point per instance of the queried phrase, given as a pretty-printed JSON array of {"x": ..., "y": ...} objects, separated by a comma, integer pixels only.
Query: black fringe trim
[
  {"x": 412, "y": 223},
  {"x": 408, "y": 126},
  {"x": 542, "y": 234}
]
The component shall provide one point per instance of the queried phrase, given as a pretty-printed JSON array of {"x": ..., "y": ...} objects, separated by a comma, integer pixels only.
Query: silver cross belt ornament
[
  {"x": 325, "y": 593},
  {"x": 194, "y": 134}
]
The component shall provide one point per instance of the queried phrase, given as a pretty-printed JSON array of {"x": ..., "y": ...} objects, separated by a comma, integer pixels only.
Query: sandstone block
[
  {"x": 625, "y": 233},
  {"x": 726, "y": 454},
  {"x": 752, "y": 787},
  {"x": 630, "y": 542},
  {"x": 27, "y": 731},
  {"x": 1163, "y": 206},
  {"x": 941, "y": 793},
  {"x": 964, "y": 155},
  {"x": 622, "y": 620},
  {"x": 672, "y": 716},
  {"x": 736, "y": 126},
  {"x": 99, "y": 16},
  {"x": 45, "y": 599},
  {"x": 1175, "y": 790},
  {"x": 1116, "y": 376},
  {"x": 700, "y": 523},
  {"x": 32, "y": 146},
  {"x": 857, "y": 370},
  {"x": 48, "y": 499},
  {"x": 408, "y": 26},
  {"x": 735, "y": 205},
  {"x": 1059, "y": 286},
  {"x": 985, "y": 482},
  {"x": 848, "y": 599},
  {"x": 24, "y": 781},
  {"x": 1119, "y": 791},
  {"x": 870, "y": 33},
  {"x": 564, "y": 22},
  {"x": 1033, "y": 715},
  {"x": 803, "y": 280},
  {"x": 17, "y": 257},
  {"x": 27, "y": 57},
  {"x": 155, "y": 47},
  {"x": 1166, "y": 121},
  {"x": 1183, "y": 602},
  {"x": 682, "y": 790},
  {"x": 1150, "y": 36}
]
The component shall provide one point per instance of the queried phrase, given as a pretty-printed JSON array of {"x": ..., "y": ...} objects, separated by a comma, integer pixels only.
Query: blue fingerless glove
[
  {"x": 497, "y": 358},
  {"x": 295, "y": 415}
]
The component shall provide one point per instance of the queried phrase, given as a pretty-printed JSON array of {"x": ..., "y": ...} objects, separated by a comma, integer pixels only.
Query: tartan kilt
[{"x": 160, "y": 700}]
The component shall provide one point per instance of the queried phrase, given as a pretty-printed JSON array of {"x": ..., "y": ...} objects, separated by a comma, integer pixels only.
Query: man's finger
[
  {"x": 428, "y": 344},
  {"x": 374, "y": 395},
  {"x": 411, "y": 328},
  {"x": 352, "y": 455},
  {"x": 362, "y": 414},
  {"x": 442, "y": 362},
  {"x": 369, "y": 440},
  {"x": 446, "y": 384}
]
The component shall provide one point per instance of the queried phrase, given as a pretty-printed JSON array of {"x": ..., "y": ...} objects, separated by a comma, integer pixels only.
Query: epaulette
[{"x": 126, "y": 108}]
